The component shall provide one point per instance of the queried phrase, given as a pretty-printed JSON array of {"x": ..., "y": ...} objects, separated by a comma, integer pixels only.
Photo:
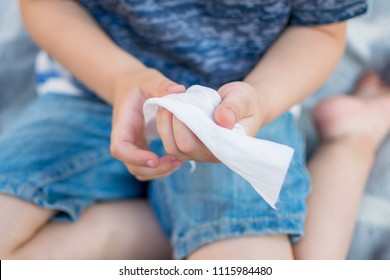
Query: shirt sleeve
[{"x": 317, "y": 12}]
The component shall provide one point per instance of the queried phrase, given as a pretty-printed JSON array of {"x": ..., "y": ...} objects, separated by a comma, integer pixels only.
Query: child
[{"x": 264, "y": 56}]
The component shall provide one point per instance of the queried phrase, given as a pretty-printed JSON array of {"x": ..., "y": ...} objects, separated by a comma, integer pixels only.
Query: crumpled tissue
[{"x": 262, "y": 163}]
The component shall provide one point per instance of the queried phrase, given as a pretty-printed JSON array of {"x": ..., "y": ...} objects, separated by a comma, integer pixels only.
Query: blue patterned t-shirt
[{"x": 208, "y": 42}]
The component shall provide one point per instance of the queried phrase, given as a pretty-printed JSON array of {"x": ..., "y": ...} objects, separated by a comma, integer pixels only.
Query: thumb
[
  {"x": 154, "y": 84},
  {"x": 225, "y": 116},
  {"x": 233, "y": 108}
]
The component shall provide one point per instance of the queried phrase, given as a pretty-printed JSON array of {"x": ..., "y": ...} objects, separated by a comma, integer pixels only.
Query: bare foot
[{"x": 364, "y": 114}]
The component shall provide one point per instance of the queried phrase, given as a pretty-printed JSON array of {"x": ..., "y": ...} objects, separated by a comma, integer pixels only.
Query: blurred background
[
  {"x": 368, "y": 49},
  {"x": 17, "y": 55}
]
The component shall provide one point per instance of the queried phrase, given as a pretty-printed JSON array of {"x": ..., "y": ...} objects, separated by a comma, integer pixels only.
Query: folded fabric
[{"x": 262, "y": 163}]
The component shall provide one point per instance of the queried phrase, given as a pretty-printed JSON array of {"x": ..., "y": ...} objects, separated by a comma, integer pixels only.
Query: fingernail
[{"x": 150, "y": 163}]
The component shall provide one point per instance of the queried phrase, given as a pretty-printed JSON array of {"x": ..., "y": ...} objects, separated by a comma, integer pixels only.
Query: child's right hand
[{"x": 128, "y": 143}]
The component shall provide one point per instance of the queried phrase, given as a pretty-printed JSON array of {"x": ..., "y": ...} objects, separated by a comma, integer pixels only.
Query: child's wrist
[
  {"x": 127, "y": 81},
  {"x": 262, "y": 104}
]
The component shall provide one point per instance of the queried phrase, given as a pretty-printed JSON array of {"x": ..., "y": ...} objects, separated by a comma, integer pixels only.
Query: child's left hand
[{"x": 240, "y": 103}]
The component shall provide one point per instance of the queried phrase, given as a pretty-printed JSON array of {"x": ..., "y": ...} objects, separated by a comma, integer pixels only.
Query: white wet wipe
[{"x": 262, "y": 163}]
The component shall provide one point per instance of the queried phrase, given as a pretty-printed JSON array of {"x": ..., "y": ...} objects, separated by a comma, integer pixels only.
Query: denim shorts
[{"x": 57, "y": 156}]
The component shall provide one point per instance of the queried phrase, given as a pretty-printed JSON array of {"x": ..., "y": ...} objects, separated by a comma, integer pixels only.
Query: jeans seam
[
  {"x": 34, "y": 198},
  {"x": 196, "y": 236},
  {"x": 239, "y": 221},
  {"x": 167, "y": 202},
  {"x": 95, "y": 157}
]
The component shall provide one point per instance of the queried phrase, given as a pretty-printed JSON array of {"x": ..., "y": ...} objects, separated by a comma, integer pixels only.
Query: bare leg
[
  {"x": 246, "y": 248},
  {"x": 352, "y": 128},
  {"x": 18, "y": 222},
  {"x": 112, "y": 230}
]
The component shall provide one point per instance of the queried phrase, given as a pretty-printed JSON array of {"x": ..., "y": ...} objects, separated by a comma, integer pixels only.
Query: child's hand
[
  {"x": 240, "y": 103},
  {"x": 127, "y": 137}
]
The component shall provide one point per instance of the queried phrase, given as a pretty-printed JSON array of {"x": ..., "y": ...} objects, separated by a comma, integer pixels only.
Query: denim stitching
[
  {"x": 168, "y": 207},
  {"x": 34, "y": 198},
  {"x": 198, "y": 237},
  {"x": 80, "y": 163},
  {"x": 239, "y": 221}
]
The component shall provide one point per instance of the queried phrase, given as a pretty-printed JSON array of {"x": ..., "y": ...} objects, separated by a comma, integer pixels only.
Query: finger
[
  {"x": 124, "y": 148},
  {"x": 189, "y": 144},
  {"x": 225, "y": 116},
  {"x": 165, "y": 130},
  {"x": 131, "y": 154},
  {"x": 235, "y": 105},
  {"x": 168, "y": 164},
  {"x": 155, "y": 84}
]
